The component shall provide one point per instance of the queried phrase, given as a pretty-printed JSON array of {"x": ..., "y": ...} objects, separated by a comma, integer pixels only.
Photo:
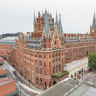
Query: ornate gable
[{"x": 56, "y": 43}]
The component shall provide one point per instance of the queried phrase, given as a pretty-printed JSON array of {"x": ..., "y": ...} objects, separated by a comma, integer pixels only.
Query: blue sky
[{"x": 17, "y": 15}]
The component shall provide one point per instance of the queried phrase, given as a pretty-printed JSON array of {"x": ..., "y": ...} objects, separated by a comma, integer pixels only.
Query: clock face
[{"x": 92, "y": 30}]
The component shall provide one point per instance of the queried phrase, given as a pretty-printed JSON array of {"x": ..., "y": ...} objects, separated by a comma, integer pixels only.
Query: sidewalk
[
  {"x": 21, "y": 78},
  {"x": 87, "y": 76},
  {"x": 27, "y": 83}
]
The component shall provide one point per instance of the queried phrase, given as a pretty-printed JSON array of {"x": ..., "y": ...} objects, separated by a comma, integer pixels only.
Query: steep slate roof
[
  {"x": 83, "y": 39},
  {"x": 47, "y": 23},
  {"x": 94, "y": 21},
  {"x": 37, "y": 44},
  {"x": 27, "y": 37},
  {"x": 60, "y": 29},
  {"x": 73, "y": 39},
  {"x": 91, "y": 39},
  {"x": 76, "y": 39}
]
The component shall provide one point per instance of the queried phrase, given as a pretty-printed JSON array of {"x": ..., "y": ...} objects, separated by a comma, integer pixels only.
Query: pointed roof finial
[
  {"x": 60, "y": 26},
  {"x": 34, "y": 17},
  {"x": 94, "y": 21},
  {"x": 56, "y": 18},
  {"x": 39, "y": 14},
  {"x": 45, "y": 10},
  {"x": 50, "y": 15},
  {"x": 94, "y": 15},
  {"x": 59, "y": 17}
]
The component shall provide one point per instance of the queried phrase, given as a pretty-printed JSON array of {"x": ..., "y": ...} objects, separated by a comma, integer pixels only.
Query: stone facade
[{"x": 39, "y": 54}]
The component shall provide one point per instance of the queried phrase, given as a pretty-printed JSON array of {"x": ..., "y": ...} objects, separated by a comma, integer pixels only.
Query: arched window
[
  {"x": 44, "y": 57},
  {"x": 45, "y": 85},
  {"x": 40, "y": 70},
  {"x": 49, "y": 71},
  {"x": 40, "y": 56},
  {"x": 40, "y": 81},
  {"x": 36, "y": 70},
  {"x": 53, "y": 55},
  {"x": 36, "y": 61},
  {"x": 49, "y": 56},
  {"x": 45, "y": 71},
  {"x": 44, "y": 39},
  {"x": 40, "y": 63},
  {"x": 56, "y": 54},
  {"x": 59, "y": 67},
  {"x": 44, "y": 64},
  {"x": 36, "y": 80},
  {"x": 50, "y": 84},
  {"x": 55, "y": 42},
  {"x": 53, "y": 70},
  {"x": 50, "y": 64}
]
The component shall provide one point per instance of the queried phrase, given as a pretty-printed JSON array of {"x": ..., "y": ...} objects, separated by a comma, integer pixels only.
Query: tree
[
  {"x": 82, "y": 70},
  {"x": 92, "y": 61},
  {"x": 71, "y": 76},
  {"x": 75, "y": 74}
]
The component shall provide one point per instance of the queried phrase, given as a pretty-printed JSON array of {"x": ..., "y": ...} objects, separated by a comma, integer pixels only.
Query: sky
[{"x": 17, "y": 15}]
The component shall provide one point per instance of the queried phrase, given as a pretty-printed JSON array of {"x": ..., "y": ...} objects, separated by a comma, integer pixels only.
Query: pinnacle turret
[
  {"x": 56, "y": 21},
  {"x": 60, "y": 26},
  {"x": 34, "y": 17},
  {"x": 94, "y": 21},
  {"x": 94, "y": 18}
]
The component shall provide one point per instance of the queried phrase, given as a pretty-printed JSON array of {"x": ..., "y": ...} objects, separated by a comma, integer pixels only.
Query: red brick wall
[{"x": 8, "y": 88}]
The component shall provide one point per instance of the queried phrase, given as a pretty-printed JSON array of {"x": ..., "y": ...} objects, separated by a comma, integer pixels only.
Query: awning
[
  {"x": 1, "y": 63},
  {"x": 13, "y": 93},
  {"x": 1, "y": 75}
]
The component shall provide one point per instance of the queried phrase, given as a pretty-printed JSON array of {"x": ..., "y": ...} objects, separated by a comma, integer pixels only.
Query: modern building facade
[{"x": 41, "y": 56}]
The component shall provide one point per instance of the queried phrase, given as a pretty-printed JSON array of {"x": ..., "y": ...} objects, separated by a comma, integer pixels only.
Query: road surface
[{"x": 23, "y": 88}]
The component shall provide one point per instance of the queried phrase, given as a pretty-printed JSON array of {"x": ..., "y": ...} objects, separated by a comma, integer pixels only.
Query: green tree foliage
[{"x": 92, "y": 61}]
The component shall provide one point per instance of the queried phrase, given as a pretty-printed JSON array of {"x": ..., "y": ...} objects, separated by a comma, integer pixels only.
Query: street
[
  {"x": 90, "y": 78},
  {"x": 22, "y": 87}
]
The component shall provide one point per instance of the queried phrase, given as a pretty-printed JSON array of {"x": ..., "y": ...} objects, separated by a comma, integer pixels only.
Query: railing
[{"x": 60, "y": 74}]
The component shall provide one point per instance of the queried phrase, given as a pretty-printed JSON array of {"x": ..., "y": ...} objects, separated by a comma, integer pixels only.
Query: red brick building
[
  {"x": 6, "y": 45},
  {"x": 7, "y": 86},
  {"x": 40, "y": 54}
]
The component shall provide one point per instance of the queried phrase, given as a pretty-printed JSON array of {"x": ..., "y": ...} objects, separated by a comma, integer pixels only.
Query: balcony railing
[{"x": 60, "y": 74}]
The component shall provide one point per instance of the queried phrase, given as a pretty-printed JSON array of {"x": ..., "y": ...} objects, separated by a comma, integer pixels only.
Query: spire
[
  {"x": 50, "y": 15},
  {"x": 56, "y": 18},
  {"x": 94, "y": 21},
  {"x": 42, "y": 12},
  {"x": 34, "y": 17},
  {"x": 39, "y": 14},
  {"x": 46, "y": 25},
  {"x": 60, "y": 26},
  {"x": 45, "y": 10},
  {"x": 94, "y": 15}
]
